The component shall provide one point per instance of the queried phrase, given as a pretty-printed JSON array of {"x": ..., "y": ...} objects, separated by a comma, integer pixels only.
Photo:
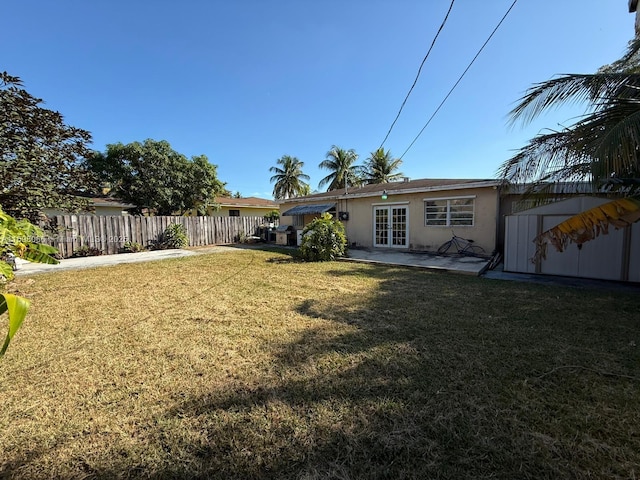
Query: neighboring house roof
[
  {"x": 253, "y": 202},
  {"x": 394, "y": 188},
  {"x": 109, "y": 202}
]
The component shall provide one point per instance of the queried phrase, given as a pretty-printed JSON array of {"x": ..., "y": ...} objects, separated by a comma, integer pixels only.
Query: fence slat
[{"x": 109, "y": 233}]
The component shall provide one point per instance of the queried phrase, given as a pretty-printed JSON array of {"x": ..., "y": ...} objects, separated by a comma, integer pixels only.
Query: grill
[{"x": 285, "y": 235}]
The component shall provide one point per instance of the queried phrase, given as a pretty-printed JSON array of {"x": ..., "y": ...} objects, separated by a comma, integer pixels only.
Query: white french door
[{"x": 390, "y": 226}]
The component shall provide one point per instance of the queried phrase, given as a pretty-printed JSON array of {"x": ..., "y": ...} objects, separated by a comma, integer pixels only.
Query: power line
[
  {"x": 460, "y": 78},
  {"x": 419, "y": 71}
]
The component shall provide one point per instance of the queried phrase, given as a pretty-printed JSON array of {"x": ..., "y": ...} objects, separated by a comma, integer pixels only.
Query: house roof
[
  {"x": 395, "y": 188},
  {"x": 309, "y": 209},
  {"x": 109, "y": 202},
  {"x": 253, "y": 202}
]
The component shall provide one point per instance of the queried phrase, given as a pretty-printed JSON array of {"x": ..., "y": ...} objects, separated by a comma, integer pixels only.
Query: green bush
[
  {"x": 323, "y": 239},
  {"x": 18, "y": 239},
  {"x": 86, "y": 251},
  {"x": 175, "y": 236},
  {"x": 132, "y": 247},
  {"x": 272, "y": 216}
]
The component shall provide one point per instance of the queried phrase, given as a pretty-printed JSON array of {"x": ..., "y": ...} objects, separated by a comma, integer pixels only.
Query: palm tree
[
  {"x": 381, "y": 167},
  {"x": 343, "y": 171},
  {"x": 289, "y": 180},
  {"x": 602, "y": 147}
]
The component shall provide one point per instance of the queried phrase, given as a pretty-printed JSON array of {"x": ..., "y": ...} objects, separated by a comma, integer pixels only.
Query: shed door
[{"x": 390, "y": 226}]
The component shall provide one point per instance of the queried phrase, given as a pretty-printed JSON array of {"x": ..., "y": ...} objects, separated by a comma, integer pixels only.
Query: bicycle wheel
[
  {"x": 444, "y": 247},
  {"x": 473, "y": 250}
]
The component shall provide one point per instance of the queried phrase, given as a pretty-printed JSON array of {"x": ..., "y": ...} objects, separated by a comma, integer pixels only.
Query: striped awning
[{"x": 309, "y": 209}]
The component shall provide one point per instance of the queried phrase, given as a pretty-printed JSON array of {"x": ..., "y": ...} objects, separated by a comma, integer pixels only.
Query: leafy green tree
[
  {"x": 344, "y": 171},
  {"x": 323, "y": 239},
  {"x": 153, "y": 175},
  {"x": 602, "y": 147},
  {"x": 41, "y": 158},
  {"x": 381, "y": 167},
  {"x": 289, "y": 179},
  {"x": 203, "y": 185}
]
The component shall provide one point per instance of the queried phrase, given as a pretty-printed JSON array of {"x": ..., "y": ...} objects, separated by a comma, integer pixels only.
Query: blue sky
[{"x": 247, "y": 81}]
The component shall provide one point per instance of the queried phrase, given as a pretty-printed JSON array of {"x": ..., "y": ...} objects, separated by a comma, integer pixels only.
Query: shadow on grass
[{"x": 431, "y": 378}]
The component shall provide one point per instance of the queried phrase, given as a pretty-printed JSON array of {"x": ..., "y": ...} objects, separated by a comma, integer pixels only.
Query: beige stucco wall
[{"x": 359, "y": 227}]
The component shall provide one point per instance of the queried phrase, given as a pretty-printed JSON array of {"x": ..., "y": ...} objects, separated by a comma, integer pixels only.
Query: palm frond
[{"x": 572, "y": 89}]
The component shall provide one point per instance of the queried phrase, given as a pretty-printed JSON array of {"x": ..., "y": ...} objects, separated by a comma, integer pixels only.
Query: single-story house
[
  {"x": 101, "y": 206},
  {"x": 242, "y": 207},
  {"x": 417, "y": 215}
]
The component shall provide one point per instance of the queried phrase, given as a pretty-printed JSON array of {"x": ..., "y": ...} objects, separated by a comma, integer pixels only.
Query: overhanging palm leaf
[
  {"x": 602, "y": 147},
  {"x": 588, "y": 225}
]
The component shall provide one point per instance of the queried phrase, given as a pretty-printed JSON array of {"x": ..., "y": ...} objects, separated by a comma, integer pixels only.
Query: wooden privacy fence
[{"x": 110, "y": 233}]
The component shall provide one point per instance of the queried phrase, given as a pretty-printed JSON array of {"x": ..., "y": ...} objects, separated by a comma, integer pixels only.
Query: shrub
[
  {"x": 132, "y": 247},
  {"x": 174, "y": 236},
  {"x": 18, "y": 239},
  {"x": 272, "y": 216},
  {"x": 86, "y": 251},
  {"x": 323, "y": 239}
]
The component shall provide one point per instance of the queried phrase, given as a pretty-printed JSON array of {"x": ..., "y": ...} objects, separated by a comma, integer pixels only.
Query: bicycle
[{"x": 463, "y": 246}]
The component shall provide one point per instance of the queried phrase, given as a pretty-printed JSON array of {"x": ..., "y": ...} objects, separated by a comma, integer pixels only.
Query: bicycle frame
[{"x": 462, "y": 245}]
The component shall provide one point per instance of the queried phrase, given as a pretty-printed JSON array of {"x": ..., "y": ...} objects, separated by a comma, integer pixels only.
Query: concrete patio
[{"x": 450, "y": 263}]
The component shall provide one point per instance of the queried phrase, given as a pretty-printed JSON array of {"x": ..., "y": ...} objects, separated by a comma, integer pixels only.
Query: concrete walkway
[
  {"x": 449, "y": 263},
  {"x": 452, "y": 263},
  {"x": 28, "y": 268}
]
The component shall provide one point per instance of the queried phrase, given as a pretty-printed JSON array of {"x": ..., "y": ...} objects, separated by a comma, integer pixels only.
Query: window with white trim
[{"x": 449, "y": 212}]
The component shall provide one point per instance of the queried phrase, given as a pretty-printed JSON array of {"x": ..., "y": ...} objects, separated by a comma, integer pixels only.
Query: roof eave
[{"x": 405, "y": 191}]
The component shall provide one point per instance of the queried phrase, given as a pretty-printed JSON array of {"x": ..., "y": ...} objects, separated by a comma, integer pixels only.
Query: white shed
[{"x": 614, "y": 256}]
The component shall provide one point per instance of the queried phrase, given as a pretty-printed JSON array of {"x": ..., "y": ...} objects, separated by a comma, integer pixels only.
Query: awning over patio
[{"x": 308, "y": 209}]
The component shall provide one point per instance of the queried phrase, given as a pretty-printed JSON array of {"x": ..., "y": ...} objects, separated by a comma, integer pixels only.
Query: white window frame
[{"x": 448, "y": 211}]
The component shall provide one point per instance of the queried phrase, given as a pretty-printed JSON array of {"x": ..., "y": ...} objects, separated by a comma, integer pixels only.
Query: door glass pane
[
  {"x": 399, "y": 226},
  {"x": 382, "y": 226}
]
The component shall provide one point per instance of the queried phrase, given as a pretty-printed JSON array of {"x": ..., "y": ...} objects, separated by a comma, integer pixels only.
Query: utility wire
[
  {"x": 419, "y": 71},
  {"x": 460, "y": 78}
]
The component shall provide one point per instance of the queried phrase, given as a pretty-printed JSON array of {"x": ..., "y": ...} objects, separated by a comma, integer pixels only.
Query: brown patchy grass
[{"x": 250, "y": 365}]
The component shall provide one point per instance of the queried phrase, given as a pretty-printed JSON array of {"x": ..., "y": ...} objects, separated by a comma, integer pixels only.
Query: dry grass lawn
[{"x": 248, "y": 364}]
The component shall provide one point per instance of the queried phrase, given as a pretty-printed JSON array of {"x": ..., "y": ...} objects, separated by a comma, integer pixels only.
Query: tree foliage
[
  {"x": 381, "y": 167},
  {"x": 323, "y": 239},
  {"x": 40, "y": 156},
  {"x": 152, "y": 175},
  {"x": 289, "y": 179},
  {"x": 344, "y": 171}
]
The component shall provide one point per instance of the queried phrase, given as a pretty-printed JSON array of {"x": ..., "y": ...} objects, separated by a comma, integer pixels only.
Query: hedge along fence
[{"x": 110, "y": 233}]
